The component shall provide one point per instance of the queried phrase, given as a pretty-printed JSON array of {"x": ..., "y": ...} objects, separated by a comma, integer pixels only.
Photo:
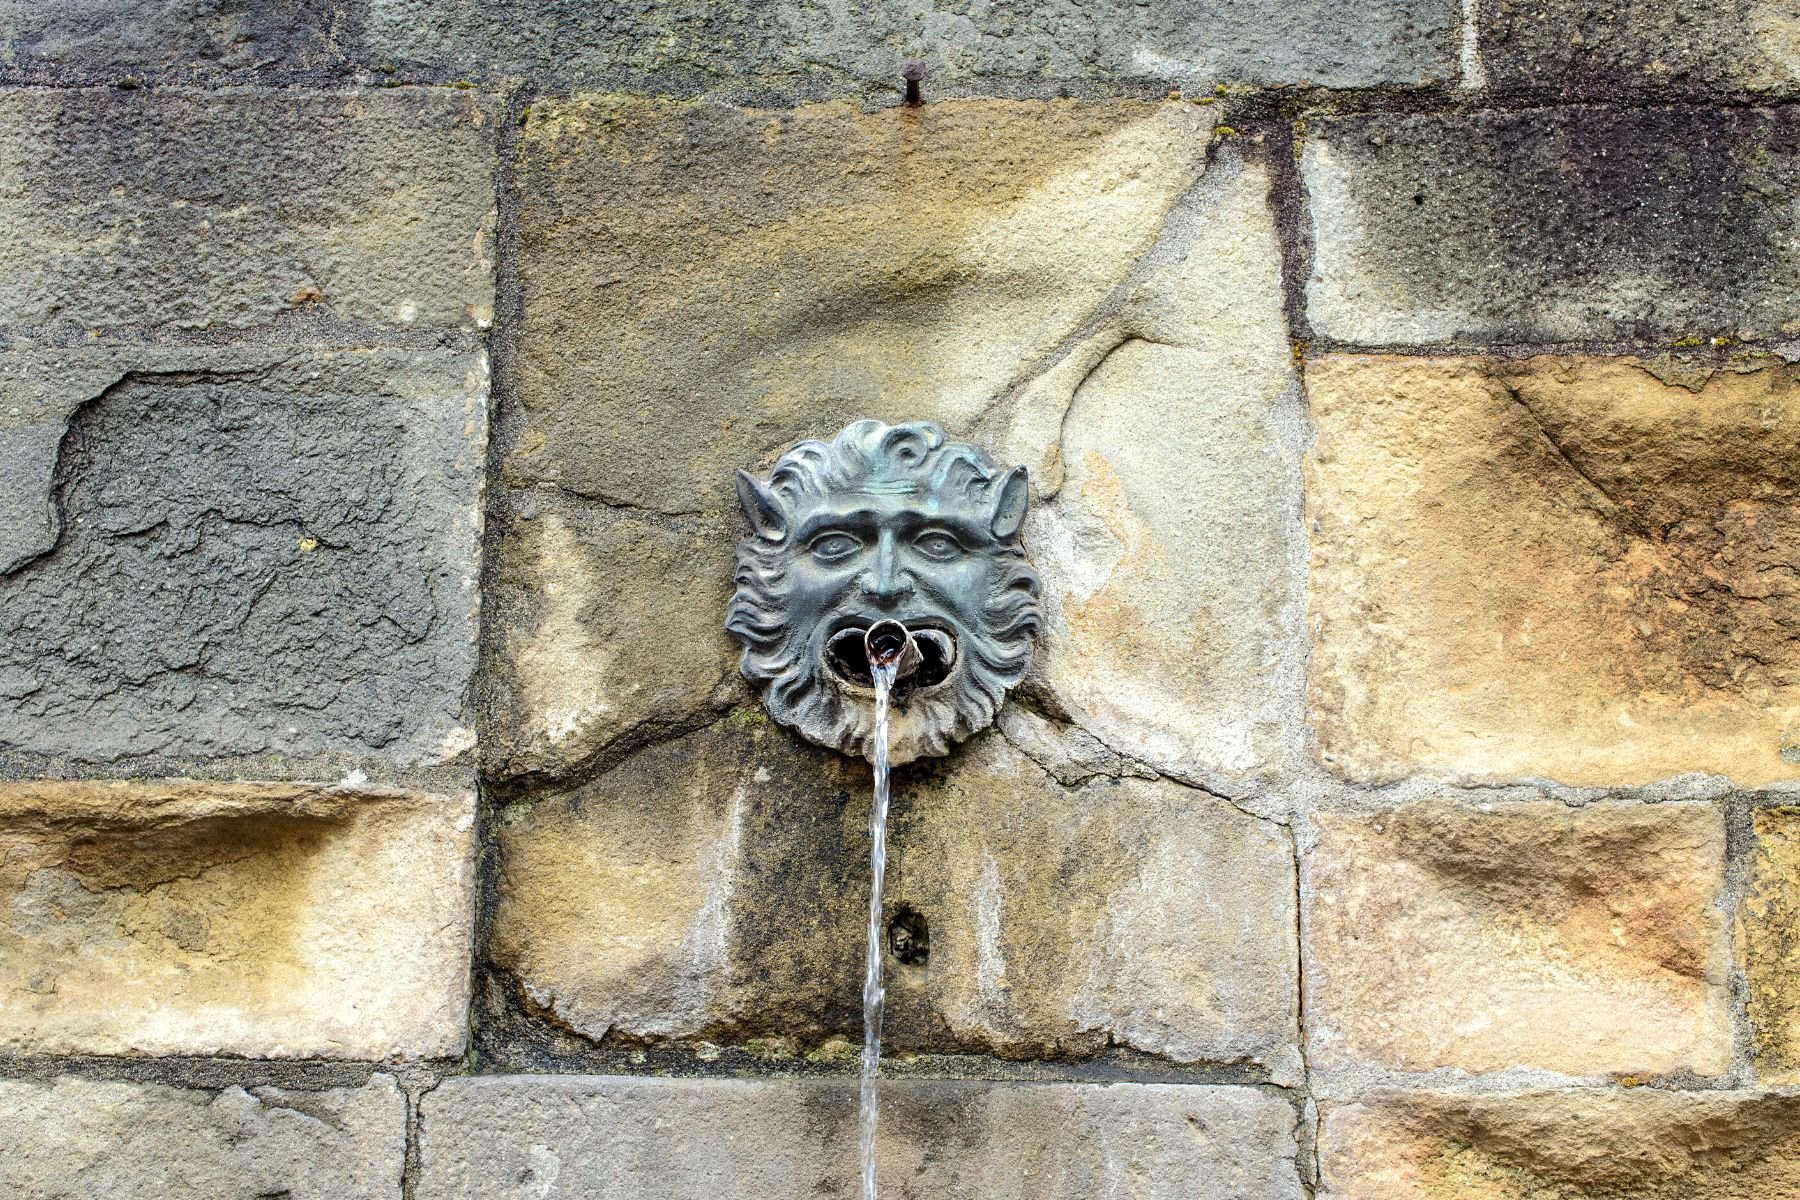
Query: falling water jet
[
  {"x": 891, "y": 652},
  {"x": 878, "y": 512}
]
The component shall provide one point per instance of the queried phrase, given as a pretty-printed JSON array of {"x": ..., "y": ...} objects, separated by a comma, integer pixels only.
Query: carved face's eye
[
  {"x": 829, "y": 547},
  {"x": 938, "y": 545}
]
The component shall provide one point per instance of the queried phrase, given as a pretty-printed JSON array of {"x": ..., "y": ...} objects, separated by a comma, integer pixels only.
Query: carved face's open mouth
[{"x": 847, "y": 656}]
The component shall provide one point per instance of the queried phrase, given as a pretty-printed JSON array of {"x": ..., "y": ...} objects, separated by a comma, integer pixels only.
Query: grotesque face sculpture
[{"x": 884, "y": 523}]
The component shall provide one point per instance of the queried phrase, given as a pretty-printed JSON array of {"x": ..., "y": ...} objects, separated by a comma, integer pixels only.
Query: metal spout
[{"x": 888, "y": 643}]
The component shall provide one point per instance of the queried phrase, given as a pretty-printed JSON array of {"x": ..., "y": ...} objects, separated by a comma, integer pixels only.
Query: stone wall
[{"x": 1402, "y": 805}]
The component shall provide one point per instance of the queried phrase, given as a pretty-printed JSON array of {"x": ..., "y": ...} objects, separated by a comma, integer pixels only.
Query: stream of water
[{"x": 873, "y": 993}]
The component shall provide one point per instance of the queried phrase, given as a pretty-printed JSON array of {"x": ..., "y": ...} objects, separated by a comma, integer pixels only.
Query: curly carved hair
[{"x": 785, "y": 662}]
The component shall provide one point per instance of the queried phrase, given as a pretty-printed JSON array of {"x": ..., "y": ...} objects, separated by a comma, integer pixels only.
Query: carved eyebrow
[
  {"x": 965, "y": 527},
  {"x": 857, "y": 520}
]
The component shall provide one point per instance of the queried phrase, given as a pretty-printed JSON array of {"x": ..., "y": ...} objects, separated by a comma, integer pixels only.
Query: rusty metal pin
[{"x": 913, "y": 71}]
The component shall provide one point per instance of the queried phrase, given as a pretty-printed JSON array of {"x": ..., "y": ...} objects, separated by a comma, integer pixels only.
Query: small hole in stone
[
  {"x": 1418, "y": 197},
  {"x": 909, "y": 938}
]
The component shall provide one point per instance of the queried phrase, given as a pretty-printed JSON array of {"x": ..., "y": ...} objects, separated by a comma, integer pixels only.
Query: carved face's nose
[{"x": 885, "y": 580}]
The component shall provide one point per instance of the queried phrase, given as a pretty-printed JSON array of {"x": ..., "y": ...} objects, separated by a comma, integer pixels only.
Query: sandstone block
[
  {"x": 1581, "y": 48},
  {"x": 270, "y": 920},
  {"x": 1169, "y": 549},
  {"x": 1157, "y": 409},
  {"x": 239, "y": 552},
  {"x": 603, "y": 626},
  {"x": 57, "y": 41},
  {"x": 1584, "y": 941},
  {"x": 704, "y": 285},
  {"x": 1768, "y": 945},
  {"x": 1562, "y": 1145},
  {"x": 1564, "y": 568},
  {"x": 647, "y": 1139},
  {"x": 606, "y": 623},
  {"x": 716, "y": 887},
  {"x": 1554, "y": 225},
  {"x": 239, "y": 208},
  {"x": 813, "y": 45},
  {"x": 144, "y": 1141}
]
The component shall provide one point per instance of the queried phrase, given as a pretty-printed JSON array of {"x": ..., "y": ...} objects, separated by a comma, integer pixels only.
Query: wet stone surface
[
  {"x": 650, "y": 1139},
  {"x": 714, "y": 887}
]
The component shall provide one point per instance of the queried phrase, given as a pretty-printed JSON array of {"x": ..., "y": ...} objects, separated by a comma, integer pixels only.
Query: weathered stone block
[
  {"x": 605, "y": 623},
  {"x": 704, "y": 285},
  {"x": 1170, "y": 549},
  {"x": 813, "y": 45},
  {"x": 1557, "y": 225},
  {"x": 1566, "y": 1145},
  {"x": 239, "y": 552},
  {"x": 145, "y": 1141},
  {"x": 239, "y": 207},
  {"x": 716, "y": 886},
  {"x": 1584, "y": 941},
  {"x": 1159, "y": 399},
  {"x": 1588, "y": 49},
  {"x": 1769, "y": 947},
  {"x": 609, "y": 1138},
  {"x": 274, "y": 920},
  {"x": 1561, "y": 568},
  {"x": 56, "y": 41}
]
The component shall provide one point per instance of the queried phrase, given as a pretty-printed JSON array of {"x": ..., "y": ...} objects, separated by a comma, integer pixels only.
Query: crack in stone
[{"x": 1609, "y": 504}]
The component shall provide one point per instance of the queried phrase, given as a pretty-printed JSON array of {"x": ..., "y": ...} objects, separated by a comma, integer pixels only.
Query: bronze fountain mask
[{"x": 885, "y": 523}]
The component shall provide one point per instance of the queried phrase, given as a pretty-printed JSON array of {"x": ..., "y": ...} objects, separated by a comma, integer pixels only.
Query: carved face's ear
[
  {"x": 1009, "y": 507},
  {"x": 765, "y": 512}
]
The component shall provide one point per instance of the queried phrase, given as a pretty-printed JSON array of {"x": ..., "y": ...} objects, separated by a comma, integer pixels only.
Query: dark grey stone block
[
  {"x": 1596, "y": 48},
  {"x": 242, "y": 207},
  {"x": 814, "y": 47},
  {"x": 1576, "y": 225},
  {"x": 240, "y": 553},
  {"x": 73, "y": 41}
]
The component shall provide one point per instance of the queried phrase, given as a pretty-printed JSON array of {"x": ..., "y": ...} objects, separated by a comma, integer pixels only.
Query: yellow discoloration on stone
[
  {"x": 1768, "y": 931},
  {"x": 705, "y": 284},
  {"x": 613, "y": 620},
  {"x": 1584, "y": 941},
  {"x": 1560, "y": 568},
  {"x": 1567, "y": 1145},
  {"x": 180, "y": 917},
  {"x": 709, "y": 888}
]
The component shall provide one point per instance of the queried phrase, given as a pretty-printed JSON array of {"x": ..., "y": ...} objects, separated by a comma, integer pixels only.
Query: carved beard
[{"x": 799, "y": 690}]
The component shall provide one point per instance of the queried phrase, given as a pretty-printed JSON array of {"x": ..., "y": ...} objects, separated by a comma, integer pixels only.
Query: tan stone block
[
  {"x": 1768, "y": 930},
  {"x": 273, "y": 920},
  {"x": 1564, "y": 568},
  {"x": 1169, "y": 551},
  {"x": 1585, "y": 941},
  {"x": 606, "y": 623},
  {"x": 1562, "y": 1145},
  {"x": 74, "y": 1137},
  {"x": 621, "y": 1138},
  {"x": 704, "y": 284},
  {"x": 717, "y": 885}
]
